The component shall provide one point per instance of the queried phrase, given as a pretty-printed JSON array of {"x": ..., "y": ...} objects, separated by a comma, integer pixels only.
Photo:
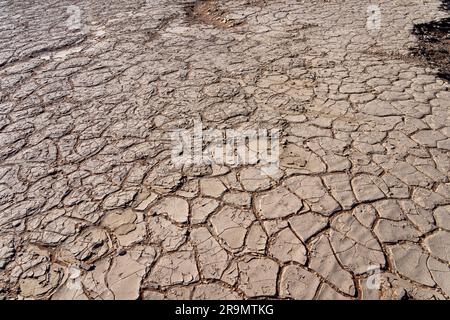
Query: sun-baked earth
[{"x": 92, "y": 208}]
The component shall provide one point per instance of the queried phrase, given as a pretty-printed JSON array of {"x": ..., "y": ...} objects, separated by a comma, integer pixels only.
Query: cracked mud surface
[{"x": 91, "y": 207}]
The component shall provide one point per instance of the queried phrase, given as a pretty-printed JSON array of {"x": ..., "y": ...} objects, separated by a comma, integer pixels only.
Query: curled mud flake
[{"x": 90, "y": 245}]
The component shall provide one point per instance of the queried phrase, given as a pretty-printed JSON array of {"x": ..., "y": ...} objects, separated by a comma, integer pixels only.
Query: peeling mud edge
[{"x": 434, "y": 43}]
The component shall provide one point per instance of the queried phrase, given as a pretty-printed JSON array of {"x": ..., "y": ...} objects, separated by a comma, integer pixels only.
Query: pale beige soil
[{"x": 92, "y": 208}]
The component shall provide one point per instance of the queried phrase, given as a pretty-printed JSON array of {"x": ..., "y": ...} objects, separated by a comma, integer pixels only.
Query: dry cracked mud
[{"x": 92, "y": 208}]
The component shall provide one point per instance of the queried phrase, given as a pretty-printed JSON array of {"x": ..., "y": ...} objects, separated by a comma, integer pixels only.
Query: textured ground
[
  {"x": 434, "y": 43},
  {"x": 90, "y": 206}
]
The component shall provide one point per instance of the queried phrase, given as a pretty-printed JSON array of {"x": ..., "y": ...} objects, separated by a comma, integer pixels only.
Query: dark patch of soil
[
  {"x": 209, "y": 12},
  {"x": 434, "y": 43},
  {"x": 446, "y": 4}
]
